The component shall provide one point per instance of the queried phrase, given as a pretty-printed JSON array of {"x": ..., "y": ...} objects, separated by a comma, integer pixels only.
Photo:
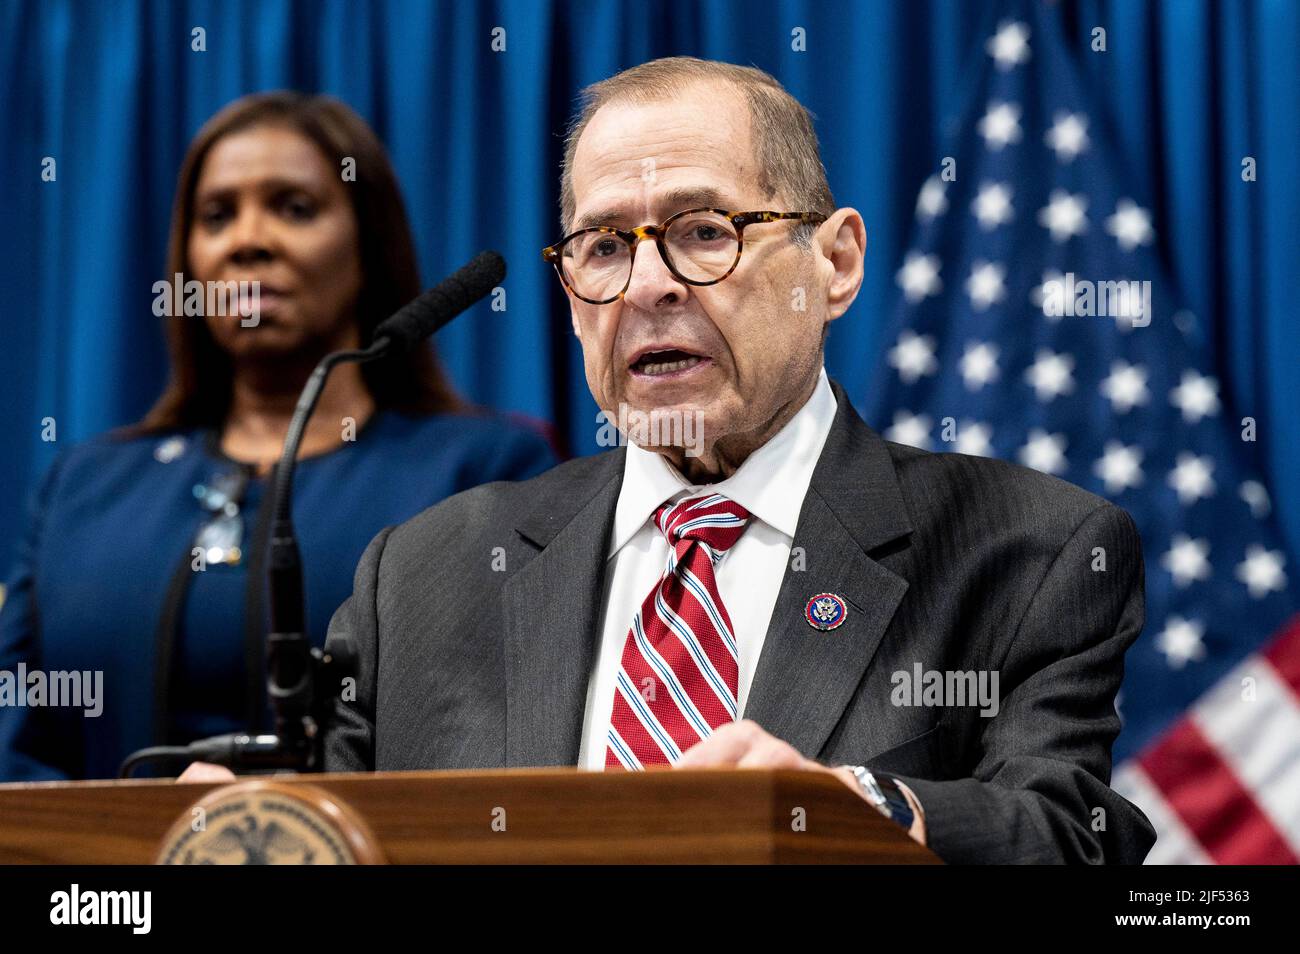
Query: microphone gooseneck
[{"x": 303, "y": 681}]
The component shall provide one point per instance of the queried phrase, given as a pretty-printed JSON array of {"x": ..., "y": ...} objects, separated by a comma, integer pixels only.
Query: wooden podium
[{"x": 528, "y": 816}]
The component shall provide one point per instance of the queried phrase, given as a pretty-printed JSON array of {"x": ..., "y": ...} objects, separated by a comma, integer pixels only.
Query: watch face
[
  {"x": 899, "y": 809},
  {"x": 867, "y": 782}
]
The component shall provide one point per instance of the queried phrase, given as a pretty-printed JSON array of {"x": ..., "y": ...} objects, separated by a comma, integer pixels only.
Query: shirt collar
[{"x": 770, "y": 484}]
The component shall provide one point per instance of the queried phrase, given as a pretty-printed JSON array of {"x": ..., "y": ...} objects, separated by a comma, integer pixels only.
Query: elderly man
[{"x": 757, "y": 578}]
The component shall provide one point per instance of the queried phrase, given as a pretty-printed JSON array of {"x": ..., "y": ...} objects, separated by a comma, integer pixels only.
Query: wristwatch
[{"x": 884, "y": 793}]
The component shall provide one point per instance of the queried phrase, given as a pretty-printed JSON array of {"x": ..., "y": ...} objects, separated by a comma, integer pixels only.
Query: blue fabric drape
[{"x": 112, "y": 90}]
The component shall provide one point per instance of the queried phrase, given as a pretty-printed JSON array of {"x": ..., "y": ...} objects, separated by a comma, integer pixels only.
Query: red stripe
[
  {"x": 673, "y": 649},
  {"x": 664, "y": 706},
  {"x": 688, "y": 606},
  {"x": 682, "y": 662},
  {"x": 1284, "y": 654},
  {"x": 1211, "y": 800},
  {"x": 717, "y": 537},
  {"x": 642, "y": 744}
]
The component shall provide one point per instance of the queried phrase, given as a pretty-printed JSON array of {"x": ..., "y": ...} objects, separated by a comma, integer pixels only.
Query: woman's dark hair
[{"x": 198, "y": 393}]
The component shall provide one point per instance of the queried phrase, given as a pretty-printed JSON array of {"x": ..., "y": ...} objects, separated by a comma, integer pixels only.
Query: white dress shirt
[{"x": 771, "y": 485}]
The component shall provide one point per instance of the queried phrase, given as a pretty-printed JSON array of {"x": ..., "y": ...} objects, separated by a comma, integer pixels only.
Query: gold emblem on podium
[{"x": 269, "y": 823}]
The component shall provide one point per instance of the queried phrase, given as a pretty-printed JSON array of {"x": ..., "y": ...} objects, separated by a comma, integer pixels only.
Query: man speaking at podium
[{"x": 756, "y": 578}]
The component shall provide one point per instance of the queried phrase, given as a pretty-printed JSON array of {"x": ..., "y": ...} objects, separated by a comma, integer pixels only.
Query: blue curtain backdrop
[{"x": 112, "y": 90}]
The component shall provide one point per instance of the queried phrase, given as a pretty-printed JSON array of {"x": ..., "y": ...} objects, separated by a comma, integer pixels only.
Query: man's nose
[{"x": 652, "y": 283}]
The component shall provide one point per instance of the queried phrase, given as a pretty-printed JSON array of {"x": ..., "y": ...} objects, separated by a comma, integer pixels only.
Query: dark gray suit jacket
[{"x": 475, "y": 625}]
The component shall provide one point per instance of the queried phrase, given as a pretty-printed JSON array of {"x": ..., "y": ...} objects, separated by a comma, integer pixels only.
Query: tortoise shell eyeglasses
[{"x": 699, "y": 246}]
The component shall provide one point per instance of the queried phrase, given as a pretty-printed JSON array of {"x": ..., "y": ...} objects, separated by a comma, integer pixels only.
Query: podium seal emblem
[{"x": 269, "y": 823}]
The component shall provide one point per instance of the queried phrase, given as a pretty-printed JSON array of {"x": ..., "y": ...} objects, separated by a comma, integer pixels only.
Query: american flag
[{"x": 1013, "y": 340}]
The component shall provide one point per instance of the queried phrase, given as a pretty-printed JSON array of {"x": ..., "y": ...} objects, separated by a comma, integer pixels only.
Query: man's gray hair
[{"x": 781, "y": 129}]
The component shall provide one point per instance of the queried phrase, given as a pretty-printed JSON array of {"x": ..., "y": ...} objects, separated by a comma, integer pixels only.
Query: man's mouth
[{"x": 657, "y": 363}]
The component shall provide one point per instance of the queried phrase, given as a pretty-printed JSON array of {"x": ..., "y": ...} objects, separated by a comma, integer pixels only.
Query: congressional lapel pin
[{"x": 825, "y": 611}]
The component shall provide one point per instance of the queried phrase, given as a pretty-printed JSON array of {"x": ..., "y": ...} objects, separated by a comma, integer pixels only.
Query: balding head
[{"x": 782, "y": 142}]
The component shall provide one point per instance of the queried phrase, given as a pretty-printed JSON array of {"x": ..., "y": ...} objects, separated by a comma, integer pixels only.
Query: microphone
[
  {"x": 303, "y": 681},
  {"x": 423, "y": 316}
]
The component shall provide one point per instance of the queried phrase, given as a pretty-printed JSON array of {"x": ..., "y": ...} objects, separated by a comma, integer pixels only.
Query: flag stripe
[
  {"x": 1175, "y": 844},
  {"x": 1283, "y": 654},
  {"x": 1253, "y": 719},
  {"x": 1211, "y": 801}
]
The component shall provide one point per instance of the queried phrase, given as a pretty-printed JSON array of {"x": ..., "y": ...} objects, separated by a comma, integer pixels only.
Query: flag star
[
  {"x": 1000, "y": 125},
  {"x": 1044, "y": 452},
  {"x": 932, "y": 200},
  {"x": 1039, "y": 293},
  {"x": 979, "y": 364},
  {"x": 913, "y": 356},
  {"x": 1261, "y": 571},
  {"x": 1009, "y": 47},
  {"x": 1131, "y": 225},
  {"x": 1068, "y": 136},
  {"x": 1255, "y": 495},
  {"x": 1126, "y": 386},
  {"x": 1197, "y": 396},
  {"x": 1181, "y": 641},
  {"x": 1051, "y": 374},
  {"x": 975, "y": 439},
  {"x": 1128, "y": 307},
  {"x": 1063, "y": 215},
  {"x": 1192, "y": 477},
  {"x": 919, "y": 276},
  {"x": 1186, "y": 560},
  {"x": 985, "y": 284},
  {"x": 992, "y": 205},
  {"x": 1120, "y": 467},
  {"x": 912, "y": 429}
]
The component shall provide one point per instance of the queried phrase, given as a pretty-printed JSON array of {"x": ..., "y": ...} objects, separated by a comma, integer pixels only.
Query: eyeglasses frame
[{"x": 738, "y": 221}]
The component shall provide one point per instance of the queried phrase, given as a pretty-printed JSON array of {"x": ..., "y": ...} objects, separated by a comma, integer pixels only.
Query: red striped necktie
[{"x": 680, "y": 674}]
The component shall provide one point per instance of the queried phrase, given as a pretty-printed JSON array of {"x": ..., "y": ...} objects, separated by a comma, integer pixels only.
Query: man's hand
[
  {"x": 206, "y": 772},
  {"x": 745, "y": 744}
]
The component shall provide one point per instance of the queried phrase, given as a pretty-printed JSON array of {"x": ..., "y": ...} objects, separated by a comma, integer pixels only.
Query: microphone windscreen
[{"x": 424, "y": 315}]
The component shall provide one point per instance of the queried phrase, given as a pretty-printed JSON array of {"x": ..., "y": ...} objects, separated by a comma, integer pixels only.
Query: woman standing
[{"x": 143, "y": 559}]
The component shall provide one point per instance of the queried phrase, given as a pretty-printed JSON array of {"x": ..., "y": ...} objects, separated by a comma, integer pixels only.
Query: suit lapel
[
  {"x": 805, "y": 677},
  {"x": 550, "y": 608}
]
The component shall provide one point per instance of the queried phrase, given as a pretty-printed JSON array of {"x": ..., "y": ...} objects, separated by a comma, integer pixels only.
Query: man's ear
[{"x": 843, "y": 242}]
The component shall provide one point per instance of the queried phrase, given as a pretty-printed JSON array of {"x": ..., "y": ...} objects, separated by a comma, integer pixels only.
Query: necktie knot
[{"x": 711, "y": 519}]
